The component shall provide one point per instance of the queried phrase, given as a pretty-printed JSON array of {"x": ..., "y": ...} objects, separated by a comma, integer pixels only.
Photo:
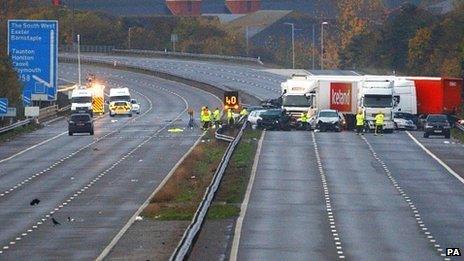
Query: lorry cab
[
  {"x": 81, "y": 100},
  {"x": 120, "y": 102},
  {"x": 404, "y": 96},
  {"x": 298, "y": 94},
  {"x": 376, "y": 96}
]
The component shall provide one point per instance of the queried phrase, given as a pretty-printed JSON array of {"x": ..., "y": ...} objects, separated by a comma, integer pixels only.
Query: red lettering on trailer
[{"x": 340, "y": 96}]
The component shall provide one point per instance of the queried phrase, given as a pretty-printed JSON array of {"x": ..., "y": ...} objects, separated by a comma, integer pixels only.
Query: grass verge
[
  {"x": 7, "y": 136},
  {"x": 235, "y": 181},
  {"x": 180, "y": 196}
]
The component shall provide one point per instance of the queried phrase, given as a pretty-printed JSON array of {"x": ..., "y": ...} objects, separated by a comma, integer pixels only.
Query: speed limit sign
[{"x": 231, "y": 100}]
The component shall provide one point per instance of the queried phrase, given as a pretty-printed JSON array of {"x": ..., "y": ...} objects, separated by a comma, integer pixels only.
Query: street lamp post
[
  {"x": 293, "y": 43},
  {"x": 314, "y": 46},
  {"x": 322, "y": 44},
  {"x": 79, "y": 59},
  {"x": 246, "y": 38},
  {"x": 129, "y": 38}
]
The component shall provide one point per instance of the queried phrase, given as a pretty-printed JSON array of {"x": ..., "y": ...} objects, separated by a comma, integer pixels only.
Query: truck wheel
[
  {"x": 130, "y": 115},
  {"x": 70, "y": 133},
  {"x": 91, "y": 132}
]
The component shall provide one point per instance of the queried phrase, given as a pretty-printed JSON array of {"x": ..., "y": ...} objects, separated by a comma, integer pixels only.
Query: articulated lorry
[
  {"x": 346, "y": 94},
  {"x": 375, "y": 96},
  {"x": 297, "y": 94},
  {"x": 435, "y": 95}
]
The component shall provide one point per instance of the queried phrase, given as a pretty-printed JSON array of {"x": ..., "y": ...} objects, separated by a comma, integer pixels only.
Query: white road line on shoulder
[
  {"x": 129, "y": 223},
  {"x": 443, "y": 164},
  {"x": 32, "y": 147},
  {"x": 244, "y": 206}
]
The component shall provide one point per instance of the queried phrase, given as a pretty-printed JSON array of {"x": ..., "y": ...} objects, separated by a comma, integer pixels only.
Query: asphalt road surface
[
  {"x": 97, "y": 181},
  {"x": 251, "y": 79},
  {"x": 396, "y": 204},
  {"x": 338, "y": 195}
]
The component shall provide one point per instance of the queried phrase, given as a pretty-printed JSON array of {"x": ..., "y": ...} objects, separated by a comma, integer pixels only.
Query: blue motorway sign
[
  {"x": 33, "y": 47},
  {"x": 3, "y": 105}
]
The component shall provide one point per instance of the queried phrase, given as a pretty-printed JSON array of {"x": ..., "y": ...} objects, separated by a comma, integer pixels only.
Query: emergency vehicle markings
[
  {"x": 416, "y": 214},
  {"x": 328, "y": 204},
  {"x": 58, "y": 162},
  {"x": 96, "y": 179}
]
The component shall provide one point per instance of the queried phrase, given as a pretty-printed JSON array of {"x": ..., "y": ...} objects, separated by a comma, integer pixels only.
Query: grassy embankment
[{"x": 180, "y": 196}]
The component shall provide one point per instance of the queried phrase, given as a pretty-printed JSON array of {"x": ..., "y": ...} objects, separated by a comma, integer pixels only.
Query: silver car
[{"x": 135, "y": 106}]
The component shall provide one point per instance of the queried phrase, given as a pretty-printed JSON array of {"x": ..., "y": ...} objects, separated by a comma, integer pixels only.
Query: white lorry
[
  {"x": 81, "y": 100},
  {"x": 376, "y": 96},
  {"x": 405, "y": 95},
  {"x": 120, "y": 102},
  {"x": 296, "y": 94}
]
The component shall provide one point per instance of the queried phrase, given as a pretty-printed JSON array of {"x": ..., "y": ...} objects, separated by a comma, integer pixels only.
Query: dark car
[
  {"x": 80, "y": 123},
  {"x": 437, "y": 124},
  {"x": 274, "y": 119}
]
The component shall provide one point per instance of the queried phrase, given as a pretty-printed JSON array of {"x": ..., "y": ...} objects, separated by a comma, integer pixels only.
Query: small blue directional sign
[
  {"x": 33, "y": 47},
  {"x": 3, "y": 106}
]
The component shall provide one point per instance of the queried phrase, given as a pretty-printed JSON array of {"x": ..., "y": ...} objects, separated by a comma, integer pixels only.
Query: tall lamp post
[
  {"x": 322, "y": 44},
  {"x": 129, "y": 37},
  {"x": 79, "y": 59},
  {"x": 293, "y": 43}
]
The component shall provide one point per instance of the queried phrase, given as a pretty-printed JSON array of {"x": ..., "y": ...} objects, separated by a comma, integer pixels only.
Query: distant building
[
  {"x": 184, "y": 7},
  {"x": 243, "y": 6}
]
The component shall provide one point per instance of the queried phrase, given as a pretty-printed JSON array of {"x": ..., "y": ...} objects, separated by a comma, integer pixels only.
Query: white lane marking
[
  {"x": 443, "y": 164},
  {"x": 244, "y": 206},
  {"x": 118, "y": 236},
  {"x": 410, "y": 203},
  {"x": 32, "y": 147},
  {"x": 330, "y": 215},
  {"x": 128, "y": 154},
  {"x": 58, "y": 162}
]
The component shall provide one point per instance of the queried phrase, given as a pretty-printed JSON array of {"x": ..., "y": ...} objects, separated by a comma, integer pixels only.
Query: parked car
[
  {"x": 135, "y": 106},
  {"x": 405, "y": 121},
  {"x": 328, "y": 120},
  {"x": 274, "y": 119},
  {"x": 254, "y": 116},
  {"x": 80, "y": 123},
  {"x": 437, "y": 124}
]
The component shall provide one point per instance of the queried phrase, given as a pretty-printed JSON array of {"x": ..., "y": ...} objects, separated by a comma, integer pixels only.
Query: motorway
[
  {"x": 358, "y": 198},
  {"x": 324, "y": 196},
  {"x": 251, "y": 79},
  {"x": 98, "y": 182}
]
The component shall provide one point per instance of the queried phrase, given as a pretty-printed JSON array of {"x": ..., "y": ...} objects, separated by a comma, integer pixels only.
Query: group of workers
[
  {"x": 213, "y": 119},
  {"x": 378, "y": 122}
]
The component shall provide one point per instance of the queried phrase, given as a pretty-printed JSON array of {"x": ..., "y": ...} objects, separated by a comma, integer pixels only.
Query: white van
[
  {"x": 81, "y": 101},
  {"x": 120, "y": 102}
]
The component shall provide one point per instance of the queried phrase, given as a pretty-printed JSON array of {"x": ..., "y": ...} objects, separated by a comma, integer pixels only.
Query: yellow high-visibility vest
[
  {"x": 359, "y": 119},
  {"x": 216, "y": 115},
  {"x": 379, "y": 119}
]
